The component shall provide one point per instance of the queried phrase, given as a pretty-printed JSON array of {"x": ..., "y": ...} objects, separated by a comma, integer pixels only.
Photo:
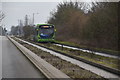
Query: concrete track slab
[{"x": 15, "y": 64}]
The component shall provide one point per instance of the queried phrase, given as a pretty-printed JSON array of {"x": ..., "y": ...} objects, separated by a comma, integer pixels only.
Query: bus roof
[{"x": 44, "y": 24}]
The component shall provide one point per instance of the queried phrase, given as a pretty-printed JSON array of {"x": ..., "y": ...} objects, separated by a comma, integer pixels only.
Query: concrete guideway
[
  {"x": 15, "y": 64},
  {"x": 47, "y": 69},
  {"x": 93, "y": 69}
]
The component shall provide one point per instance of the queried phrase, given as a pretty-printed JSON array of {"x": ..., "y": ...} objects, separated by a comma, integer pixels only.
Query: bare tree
[
  {"x": 2, "y": 15},
  {"x": 1, "y": 18}
]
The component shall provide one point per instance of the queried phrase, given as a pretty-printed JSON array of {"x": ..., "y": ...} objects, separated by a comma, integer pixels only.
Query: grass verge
[
  {"x": 107, "y": 51},
  {"x": 68, "y": 68},
  {"x": 106, "y": 61}
]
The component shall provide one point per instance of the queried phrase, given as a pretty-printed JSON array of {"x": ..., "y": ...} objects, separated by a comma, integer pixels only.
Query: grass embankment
[
  {"x": 106, "y": 61},
  {"x": 107, "y": 51},
  {"x": 68, "y": 68}
]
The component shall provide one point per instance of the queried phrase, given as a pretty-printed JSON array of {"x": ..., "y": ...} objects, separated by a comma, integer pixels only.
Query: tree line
[
  {"x": 96, "y": 28},
  {"x": 23, "y": 29},
  {"x": 2, "y": 31}
]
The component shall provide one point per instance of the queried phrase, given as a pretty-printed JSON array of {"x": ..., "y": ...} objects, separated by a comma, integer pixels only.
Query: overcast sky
[{"x": 18, "y": 10}]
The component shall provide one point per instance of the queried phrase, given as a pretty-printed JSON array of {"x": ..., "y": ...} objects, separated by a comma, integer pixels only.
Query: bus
[{"x": 44, "y": 33}]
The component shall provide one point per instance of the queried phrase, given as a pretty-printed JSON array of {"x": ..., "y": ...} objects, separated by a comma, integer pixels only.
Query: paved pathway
[{"x": 15, "y": 64}]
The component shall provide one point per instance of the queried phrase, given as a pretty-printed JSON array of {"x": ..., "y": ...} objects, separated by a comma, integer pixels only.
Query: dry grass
[{"x": 68, "y": 68}]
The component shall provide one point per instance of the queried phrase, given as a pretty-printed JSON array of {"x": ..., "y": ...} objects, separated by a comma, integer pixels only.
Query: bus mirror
[{"x": 55, "y": 29}]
